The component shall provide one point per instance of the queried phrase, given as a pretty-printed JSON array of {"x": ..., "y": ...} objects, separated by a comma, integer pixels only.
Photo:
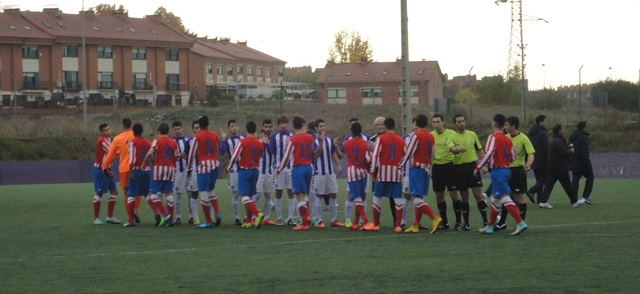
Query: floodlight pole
[
  {"x": 580, "y": 92},
  {"x": 84, "y": 72},
  {"x": 406, "y": 82}
]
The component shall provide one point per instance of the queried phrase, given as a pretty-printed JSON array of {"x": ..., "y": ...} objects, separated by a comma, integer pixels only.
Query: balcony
[
  {"x": 105, "y": 85},
  {"x": 35, "y": 85},
  {"x": 73, "y": 86},
  {"x": 141, "y": 86},
  {"x": 176, "y": 87}
]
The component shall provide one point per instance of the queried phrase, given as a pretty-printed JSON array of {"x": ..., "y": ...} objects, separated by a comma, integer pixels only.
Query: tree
[
  {"x": 465, "y": 95},
  {"x": 621, "y": 94},
  {"x": 349, "y": 47},
  {"x": 547, "y": 99},
  {"x": 173, "y": 21},
  {"x": 108, "y": 9},
  {"x": 495, "y": 90}
]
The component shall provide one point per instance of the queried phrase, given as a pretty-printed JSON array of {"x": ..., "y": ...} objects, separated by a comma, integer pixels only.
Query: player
[
  {"x": 119, "y": 148},
  {"x": 300, "y": 147},
  {"x": 164, "y": 152},
  {"x": 442, "y": 173},
  {"x": 101, "y": 181},
  {"x": 358, "y": 159},
  {"x": 467, "y": 149},
  {"x": 204, "y": 157},
  {"x": 406, "y": 195},
  {"x": 420, "y": 151},
  {"x": 500, "y": 153},
  {"x": 227, "y": 145},
  {"x": 348, "y": 204},
  {"x": 139, "y": 177},
  {"x": 387, "y": 154},
  {"x": 192, "y": 183},
  {"x": 247, "y": 154},
  {"x": 265, "y": 178},
  {"x": 181, "y": 181},
  {"x": 519, "y": 168},
  {"x": 277, "y": 143},
  {"x": 326, "y": 167}
]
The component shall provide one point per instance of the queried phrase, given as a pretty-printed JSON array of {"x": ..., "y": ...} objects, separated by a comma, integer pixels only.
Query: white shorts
[
  {"x": 265, "y": 183},
  {"x": 325, "y": 184},
  {"x": 405, "y": 185},
  {"x": 233, "y": 181},
  {"x": 192, "y": 183},
  {"x": 180, "y": 184},
  {"x": 283, "y": 180}
]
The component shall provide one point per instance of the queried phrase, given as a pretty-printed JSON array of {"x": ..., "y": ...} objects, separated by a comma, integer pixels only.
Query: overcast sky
[{"x": 460, "y": 34}]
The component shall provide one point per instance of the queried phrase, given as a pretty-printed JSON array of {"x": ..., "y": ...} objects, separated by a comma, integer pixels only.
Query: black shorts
[
  {"x": 518, "y": 182},
  {"x": 464, "y": 178},
  {"x": 442, "y": 176}
]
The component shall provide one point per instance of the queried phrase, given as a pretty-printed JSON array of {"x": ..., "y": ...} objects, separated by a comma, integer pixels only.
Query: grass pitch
[{"x": 49, "y": 244}]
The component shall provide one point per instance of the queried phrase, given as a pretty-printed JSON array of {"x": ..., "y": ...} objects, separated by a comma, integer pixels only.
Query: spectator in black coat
[
  {"x": 558, "y": 166},
  {"x": 581, "y": 161},
  {"x": 540, "y": 141}
]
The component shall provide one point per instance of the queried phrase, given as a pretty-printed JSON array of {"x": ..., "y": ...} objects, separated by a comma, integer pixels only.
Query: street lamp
[
  {"x": 326, "y": 89},
  {"x": 470, "y": 95},
  {"x": 373, "y": 88},
  {"x": 544, "y": 77},
  {"x": 580, "y": 92},
  {"x": 422, "y": 88}
]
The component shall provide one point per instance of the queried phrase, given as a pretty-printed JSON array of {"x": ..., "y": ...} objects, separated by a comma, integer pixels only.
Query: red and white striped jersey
[
  {"x": 419, "y": 150},
  {"x": 500, "y": 152},
  {"x": 138, "y": 148},
  {"x": 387, "y": 154},
  {"x": 247, "y": 153},
  {"x": 204, "y": 151},
  {"x": 102, "y": 148},
  {"x": 358, "y": 159},
  {"x": 164, "y": 164},
  {"x": 300, "y": 146}
]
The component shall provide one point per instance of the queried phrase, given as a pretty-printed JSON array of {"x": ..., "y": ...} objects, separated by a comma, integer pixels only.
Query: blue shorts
[
  {"x": 358, "y": 189},
  {"x": 247, "y": 181},
  {"x": 101, "y": 183},
  {"x": 207, "y": 181},
  {"x": 388, "y": 189},
  {"x": 301, "y": 178},
  {"x": 139, "y": 183},
  {"x": 500, "y": 181},
  {"x": 418, "y": 182},
  {"x": 162, "y": 187}
]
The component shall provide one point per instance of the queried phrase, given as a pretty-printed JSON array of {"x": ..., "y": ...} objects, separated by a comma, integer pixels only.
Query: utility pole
[
  {"x": 580, "y": 92},
  {"x": 406, "y": 82},
  {"x": 84, "y": 73}
]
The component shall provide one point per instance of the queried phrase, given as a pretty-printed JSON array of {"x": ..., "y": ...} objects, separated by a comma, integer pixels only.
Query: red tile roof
[
  {"x": 13, "y": 25},
  {"x": 383, "y": 71},
  {"x": 201, "y": 49},
  {"x": 238, "y": 50}
]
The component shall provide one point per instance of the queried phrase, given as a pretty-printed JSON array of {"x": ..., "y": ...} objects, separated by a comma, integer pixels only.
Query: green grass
[{"x": 49, "y": 245}]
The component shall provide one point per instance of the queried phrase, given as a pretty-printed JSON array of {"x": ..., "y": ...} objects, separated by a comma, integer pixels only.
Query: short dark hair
[
  {"x": 389, "y": 123},
  {"x": 101, "y": 127},
  {"x": 126, "y": 123},
  {"x": 194, "y": 123},
  {"x": 514, "y": 121},
  {"x": 231, "y": 121},
  {"x": 318, "y": 121},
  {"x": 499, "y": 119},
  {"x": 283, "y": 119},
  {"x": 582, "y": 125},
  {"x": 251, "y": 127},
  {"x": 354, "y": 119},
  {"x": 137, "y": 130},
  {"x": 556, "y": 129},
  {"x": 438, "y": 116},
  {"x": 456, "y": 117},
  {"x": 176, "y": 123},
  {"x": 298, "y": 122},
  {"x": 540, "y": 118},
  {"x": 267, "y": 121},
  {"x": 203, "y": 121},
  {"x": 422, "y": 121},
  {"x": 356, "y": 129},
  {"x": 311, "y": 126},
  {"x": 163, "y": 128}
]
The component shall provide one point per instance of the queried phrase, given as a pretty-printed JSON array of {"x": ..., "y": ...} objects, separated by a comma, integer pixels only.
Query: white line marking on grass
[{"x": 306, "y": 242}]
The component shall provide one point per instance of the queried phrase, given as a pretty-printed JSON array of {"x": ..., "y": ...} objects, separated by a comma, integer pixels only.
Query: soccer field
[{"x": 49, "y": 245}]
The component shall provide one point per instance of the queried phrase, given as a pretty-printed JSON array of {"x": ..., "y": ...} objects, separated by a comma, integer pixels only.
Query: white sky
[{"x": 458, "y": 33}]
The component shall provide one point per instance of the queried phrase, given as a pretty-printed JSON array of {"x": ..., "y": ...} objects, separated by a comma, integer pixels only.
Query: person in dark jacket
[
  {"x": 558, "y": 166},
  {"x": 581, "y": 161},
  {"x": 540, "y": 141}
]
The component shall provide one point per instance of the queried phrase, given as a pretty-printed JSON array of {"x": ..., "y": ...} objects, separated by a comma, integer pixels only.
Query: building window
[
  {"x": 336, "y": 93},
  {"x": 139, "y": 81},
  {"x": 259, "y": 72},
  {"x": 173, "y": 82},
  {"x": 371, "y": 92},
  {"x": 229, "y": 70},
  {"x": 219, "y": 70},
  {"x": 104, "y": 52},
  {"x": 268, "y": 72},
  {"x": 280, "y": 71},
  {"x": 171, "y": 54},
  {"x": 70, "y": 80},
  {"x": 69, "y": 51},
  {"x": 413, "y": 92},
  {"x": 250, "y": 71},
  {"x": 209, "y": 68},
  {"x": 240, "y": 70},
  {"x": 30, "y": 80},
  {"x": 30, "y": 52},
  {"x": 105, "y": 80},
  {"x": 139, "y": 53}
]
